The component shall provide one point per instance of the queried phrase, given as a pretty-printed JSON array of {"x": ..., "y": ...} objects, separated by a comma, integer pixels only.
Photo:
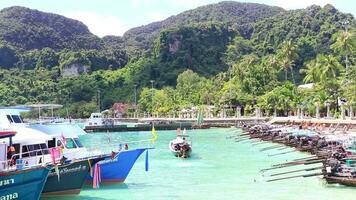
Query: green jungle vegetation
[{"x": 223, "y": 54}]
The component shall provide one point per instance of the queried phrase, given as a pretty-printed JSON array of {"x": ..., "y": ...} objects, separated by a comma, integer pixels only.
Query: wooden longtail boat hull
[{"x": 341, "y": 180}]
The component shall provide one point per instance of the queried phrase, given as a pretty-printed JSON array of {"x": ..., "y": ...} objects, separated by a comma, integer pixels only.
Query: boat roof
[
  {"x": 181, "y": 135},
  {"x": 6, "y": 133},
  {"x": 12, "y": 110},
  {"x": 59, "y": 129},
  {"x": 45, "y": 106},
  {"x": 25, "y": 135}
]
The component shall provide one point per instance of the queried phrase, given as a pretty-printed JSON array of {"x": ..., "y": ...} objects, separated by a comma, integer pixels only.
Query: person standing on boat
[
  {"x": 10, "y": 154},
  {"x": 178, "y": 131}
]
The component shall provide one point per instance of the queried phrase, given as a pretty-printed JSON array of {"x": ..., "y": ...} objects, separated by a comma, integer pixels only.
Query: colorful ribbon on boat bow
[{"x": 97, "y": 176}]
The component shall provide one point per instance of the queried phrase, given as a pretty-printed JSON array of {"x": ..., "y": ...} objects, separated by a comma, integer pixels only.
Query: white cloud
[
  {"x": 100, "y": 25},
  {"x": 294, "y": 4}
]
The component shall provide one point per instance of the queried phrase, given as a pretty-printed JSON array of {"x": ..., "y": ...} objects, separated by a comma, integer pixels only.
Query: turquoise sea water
[{"x": 218, "y": 169}]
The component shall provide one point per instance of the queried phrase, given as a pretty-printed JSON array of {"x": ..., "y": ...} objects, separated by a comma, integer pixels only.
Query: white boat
[
  {"x": 97, "y": 119},
  {"x": 181, "y": 146},
  {"x": 30, "y": 145}
]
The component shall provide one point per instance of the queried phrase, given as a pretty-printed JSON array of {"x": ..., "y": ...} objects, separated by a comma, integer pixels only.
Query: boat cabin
[
  {"x": 96, "y": 119},
  {"x": 29, "y": 146},
  {"x": 63, "y": 135}
]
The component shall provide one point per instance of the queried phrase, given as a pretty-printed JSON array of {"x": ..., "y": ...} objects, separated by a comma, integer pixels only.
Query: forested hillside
[
  {"x": 227, "y": 53},
  {"x": 235, "y": 15},
  {"x": 27, "y": 29}
]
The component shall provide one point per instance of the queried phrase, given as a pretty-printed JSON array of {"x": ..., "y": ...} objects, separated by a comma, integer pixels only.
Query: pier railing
[
  {"x": 34, "y": 158},
  {"x": 119, "y": 146}
]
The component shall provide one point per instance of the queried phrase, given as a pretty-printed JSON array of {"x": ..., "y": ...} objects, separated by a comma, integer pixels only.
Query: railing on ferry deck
[
  {"x": 114, "y": 146},
  {"x": 32, "y": 158}
]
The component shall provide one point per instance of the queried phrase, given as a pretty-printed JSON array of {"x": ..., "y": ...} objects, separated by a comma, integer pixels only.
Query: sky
[{"x": 114, "y": 17}]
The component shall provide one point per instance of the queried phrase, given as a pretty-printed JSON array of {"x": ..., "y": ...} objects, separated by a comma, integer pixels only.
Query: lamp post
[{"x": 152, "y": 81}]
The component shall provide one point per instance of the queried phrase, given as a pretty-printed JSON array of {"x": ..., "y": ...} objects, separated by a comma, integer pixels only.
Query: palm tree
[
  {"x": 312, "y": 72},
  {"x": 241, "y": 69},
  {"x": 322, "y": 69},
  {"x": 287, "y": 55},
  {"x": 345, "y": 44},
  {"x": 329, "y": 68}
]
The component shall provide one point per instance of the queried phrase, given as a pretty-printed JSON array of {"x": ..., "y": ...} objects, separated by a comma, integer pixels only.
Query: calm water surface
[{"x": 218, "y": 169}]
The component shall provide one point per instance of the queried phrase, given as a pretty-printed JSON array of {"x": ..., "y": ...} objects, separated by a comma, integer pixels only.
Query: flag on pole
[
  {"x": 146, "y": 161},
  {"x": 154, "y": 134},
  {"x": 64, "y": 140}
]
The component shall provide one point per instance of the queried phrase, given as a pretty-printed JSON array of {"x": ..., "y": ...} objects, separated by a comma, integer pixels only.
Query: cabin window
[
  {"x": 70, "y": 143},
  {"x": 25, "y": 151},
  {"x": 16, "y": 119},
  {"x": 59, "y": 143},
  {"x": 78, "y": 143},
  {"x": 9, "y": 118},
  {"x": 37, "y": 148},
  {"x": 44, "y": 148},
  {"x": 52, "y": 143},
  {"x": 34, "y": 149},
  {"x": 17, "y": 148}
]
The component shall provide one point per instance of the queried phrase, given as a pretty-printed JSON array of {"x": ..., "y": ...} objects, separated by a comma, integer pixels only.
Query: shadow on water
[
  {"x": 77, "y": 197},
  {"x": 110, "y": 186},
  {"x": 117, "y": 186}
]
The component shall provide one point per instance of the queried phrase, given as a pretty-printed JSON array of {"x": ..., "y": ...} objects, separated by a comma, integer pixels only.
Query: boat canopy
[
  {"x": 297, "y": 132},
  {"x": 25, "y": 135},
  {"x": 45, "y": 106},
  {"x": 7, "y": 133},
  {"x": 182, "y": 135},
  {"x": 9, "y": 116},
  {"x": 57, "y": 130}
]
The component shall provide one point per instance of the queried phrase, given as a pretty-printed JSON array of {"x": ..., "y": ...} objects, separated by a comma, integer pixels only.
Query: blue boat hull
[
  {"x": 116, "y": 170},
  {"x": 23, "y": 184}
]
